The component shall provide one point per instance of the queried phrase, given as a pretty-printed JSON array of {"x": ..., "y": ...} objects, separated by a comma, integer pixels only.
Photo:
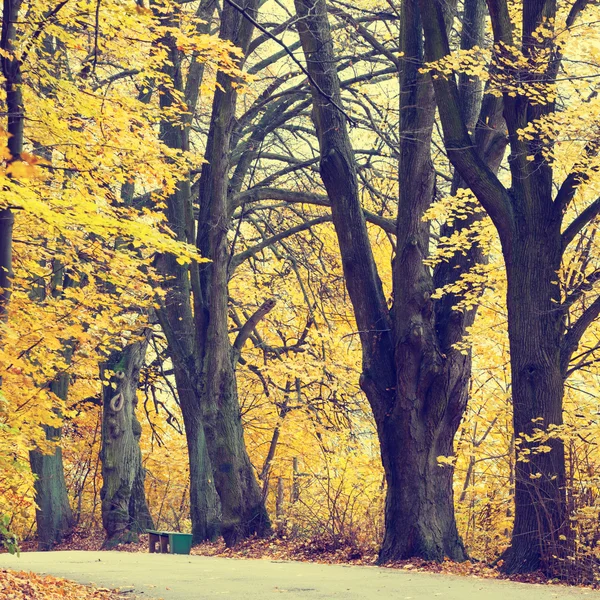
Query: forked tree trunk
[
  {"x": 124, "y": 508},
  {"x": 242, "y": 506},
  {"x": 414, "y": 379},
  {"x": 53, "y": 514}
]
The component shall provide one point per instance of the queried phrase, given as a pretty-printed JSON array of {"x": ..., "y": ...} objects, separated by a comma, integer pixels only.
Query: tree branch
[
  {"x": 478, "y": 176},
  {"x": 249, "y": 326},
  {"x": 575, "y": 333},
  {"x": 246, "y": 254},
  {"x": 257, "y": 194},
  {"x": 292, "y": 56},
  {"x": 579, "y": 222}
]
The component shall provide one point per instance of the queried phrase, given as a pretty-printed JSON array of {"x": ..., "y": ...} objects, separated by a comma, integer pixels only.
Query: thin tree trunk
[
  {"x": 15, "y": 122},
  {"x": 7, "y": 220},
  {"x": 124, "y": 508}
]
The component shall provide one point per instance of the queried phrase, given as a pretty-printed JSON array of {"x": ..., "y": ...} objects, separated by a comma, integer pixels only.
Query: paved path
[{"x": 173, "y": 577}]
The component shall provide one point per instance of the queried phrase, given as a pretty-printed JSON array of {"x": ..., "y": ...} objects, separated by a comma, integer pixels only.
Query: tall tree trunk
[
  {"x": 535, "y": 332},
  {"x": 182, "y": 316},
  {"x": 7, "y": 220},
  {"x": 416, "y": 383},
  {"x": 242, "y": 505},
  {"x": 528, "y": 219},
  {"x": 53, "y": 514},
  {"x": 15, "y": 122},
  {"x": 124, "y": 508}
]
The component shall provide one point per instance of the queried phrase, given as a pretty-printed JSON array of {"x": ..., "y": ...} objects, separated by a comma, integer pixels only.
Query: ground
[{"x": 172, "y": 577}]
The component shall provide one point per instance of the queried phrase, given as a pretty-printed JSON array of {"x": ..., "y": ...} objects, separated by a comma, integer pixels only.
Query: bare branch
[
  {"x": 576, "y": 332},
  {"x": 579, "y": 222},
  {"x": 249, "y": 326}
]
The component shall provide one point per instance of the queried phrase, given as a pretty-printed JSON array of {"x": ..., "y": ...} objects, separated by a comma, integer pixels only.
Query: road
[{"x": 175, "y": 577}]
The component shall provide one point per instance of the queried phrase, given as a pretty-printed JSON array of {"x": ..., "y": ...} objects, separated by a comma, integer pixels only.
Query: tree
[
  {"x": 125, "y": 512},
  {"x": 198, "y": 337},
  {"x": 529, "y": 219},
  {"x": 415, "y": 378},
  {"x": 54, "y": 517}
]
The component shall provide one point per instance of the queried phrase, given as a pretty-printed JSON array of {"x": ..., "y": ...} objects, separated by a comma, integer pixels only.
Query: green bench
[{"x": 169, "y": 541}]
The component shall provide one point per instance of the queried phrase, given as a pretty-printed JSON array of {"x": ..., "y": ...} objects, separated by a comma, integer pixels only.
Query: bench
[{"x": 171, "y": 542}]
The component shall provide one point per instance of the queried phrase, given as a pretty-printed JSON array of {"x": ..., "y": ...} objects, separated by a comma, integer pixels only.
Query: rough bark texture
[
  {"x": 124, "y": 508},
  {"x": 528, "y": 219},
  {"x": 180, "y": 322},
  {"x": 53, "y": 515},
  {"x": 415, "y": 381},
  {"x": 242, "y": 505},
  {"x": 15, "y": 120}
]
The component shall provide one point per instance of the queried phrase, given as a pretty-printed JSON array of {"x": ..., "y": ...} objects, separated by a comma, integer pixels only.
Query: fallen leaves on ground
[{"x": 21, "y": 585}]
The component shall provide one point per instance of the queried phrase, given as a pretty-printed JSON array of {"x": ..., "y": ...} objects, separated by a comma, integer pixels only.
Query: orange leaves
[
  {"x": 19, "y": 585},
  {"x": 26, "y": 167}
]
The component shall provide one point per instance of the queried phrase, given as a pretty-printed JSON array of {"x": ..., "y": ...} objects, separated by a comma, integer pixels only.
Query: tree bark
[
  {"x": 205, "y": 510},
  {"x": 124, "y": 509},
  {"x": 242, "y": 506},
  {"x": 53, "y": 514}
]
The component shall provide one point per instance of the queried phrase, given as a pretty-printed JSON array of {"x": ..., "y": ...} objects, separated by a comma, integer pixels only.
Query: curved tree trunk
[
  {"x": 124, "y": 509},
  {"x": 53, "y": 514}
]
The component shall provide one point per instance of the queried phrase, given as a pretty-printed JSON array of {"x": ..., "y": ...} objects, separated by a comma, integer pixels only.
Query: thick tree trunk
[
  {"x": 415, "y": 381},
  {"x": 528, "y": 220},
  {"x": 535, "y": 332},
  {"x": 15, "y": 122},
  {"x": 205, "y": 511},
  {"x": 53, "y": 515},
  {"x": 124, "y": 509},
  {"x": 242, "y": 506},
  {"x": 419, "y": 510}
]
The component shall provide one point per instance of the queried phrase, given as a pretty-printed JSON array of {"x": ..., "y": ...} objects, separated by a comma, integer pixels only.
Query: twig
[{"x": 256, "y": 24}]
